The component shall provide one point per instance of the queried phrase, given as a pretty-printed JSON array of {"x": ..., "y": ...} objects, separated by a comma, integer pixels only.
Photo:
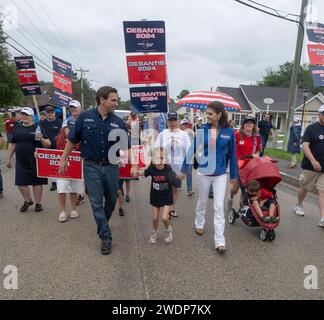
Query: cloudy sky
[{"x": 209, "y": 42}]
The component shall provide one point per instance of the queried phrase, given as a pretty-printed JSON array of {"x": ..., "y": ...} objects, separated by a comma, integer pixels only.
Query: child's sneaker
[
  {"x": 321, "y": 223},
  {"x": 153, "y": 238},
  {"x": 265, "y": 219},
  {"x": 168, "y": 235}
]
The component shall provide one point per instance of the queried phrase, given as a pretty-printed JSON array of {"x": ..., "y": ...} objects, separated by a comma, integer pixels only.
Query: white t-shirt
[{"x": 176, "y": 143}]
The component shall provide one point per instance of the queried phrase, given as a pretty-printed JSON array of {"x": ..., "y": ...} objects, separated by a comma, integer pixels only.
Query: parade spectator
[
  {"x": 18, "y": 119},
  {"x": 248, "y": 143},
  {"x": 1, "y": 181},
  {"x": 99, "y": 130},
  {"x": 185, "y": 126},
  {"x": 66, "y": 186},
  {"x": 215, "y": 144},
  {"x": 313, "y": 165},
  {"x": 24, "y": 142},
  {"x": 52, "y": 126},
  {"x": 68, "y": 124},
  {"x": 133, "y": 124},
  {"x": 176, "y": 143},
  {"x": 199, "y": 124},
  {"x": 232, "y": 124},
  {"x": 9, "y": 125},
  {"x": 265, "y": 128},
  {"x": 42, "y": 116},
  {"x": 161, "y": 196},
  {"x": 294, "y": 142}
]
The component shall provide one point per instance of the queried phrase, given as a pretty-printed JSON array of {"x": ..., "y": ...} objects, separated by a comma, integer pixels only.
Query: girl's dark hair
[
  {"x": 218, "y": 107},
  {"x": 254, "y": 132}
]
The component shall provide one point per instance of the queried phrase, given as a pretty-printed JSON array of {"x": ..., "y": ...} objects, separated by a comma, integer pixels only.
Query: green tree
[
  {"x": 10, "y": 92},
  {"x": 183, "y": 93},
  {"x": 88, "y": 91},
  {"x": 282, "y": 77}
]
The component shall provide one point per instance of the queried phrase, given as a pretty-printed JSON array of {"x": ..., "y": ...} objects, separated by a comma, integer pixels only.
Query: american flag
[{"x": 201, "y": 99}]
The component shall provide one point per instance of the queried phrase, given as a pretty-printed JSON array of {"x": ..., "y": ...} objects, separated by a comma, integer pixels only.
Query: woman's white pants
[{"x": 219, "y": 188}]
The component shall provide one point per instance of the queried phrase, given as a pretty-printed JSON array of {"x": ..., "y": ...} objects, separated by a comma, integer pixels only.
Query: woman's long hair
[
  {"x": 218, "y": 107},
  {"x": 254, "y": 131}
]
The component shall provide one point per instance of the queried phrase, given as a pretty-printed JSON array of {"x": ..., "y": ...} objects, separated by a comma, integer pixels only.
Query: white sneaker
[
  {"x": 299, "y": 210},
  {"x": 168, "y": 235},
  {"x": 74, "y": 214},
  {"x": 62, "y": 217},
  {"x": 153, "y": 238},
  {"x": 321, "y": 223}
]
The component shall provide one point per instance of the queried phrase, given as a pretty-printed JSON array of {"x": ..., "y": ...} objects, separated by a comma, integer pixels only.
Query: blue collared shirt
[{"x": 96, "y": 136}]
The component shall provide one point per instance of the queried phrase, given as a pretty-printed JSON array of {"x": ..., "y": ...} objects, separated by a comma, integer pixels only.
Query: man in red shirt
[{"x": 9, "y": 125}]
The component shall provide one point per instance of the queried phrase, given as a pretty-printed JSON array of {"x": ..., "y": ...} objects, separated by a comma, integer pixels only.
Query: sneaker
[
  {"x": 211, "y": 195},
  {"x": 54, "y": 187},
  {"x": 199, "y": 232},
  {"x": 153, "y": 238},
  {"x": 74, "y": 214},
  {"x": 266, "y": 219},
  {"x": 105, "y": 247},
  {"x": 121, "y": 212},
  {"x": 191, "y": 193},
  {"x": 221, "y": 250},
  {"x": 26, "y": 205},
  {"x": 62, "y": 217},
  {"x": 321, "y": 223},
  {"x": 80, "y": 200},
  {"x": 299, "y": 210},
  {"x": 38, "y": 207},
  {"x": 275, "y": 219},
  {"x": 229, "y": 203},
  {"x": 127, "y": 197},
  {"x": 168, "y": 235}
]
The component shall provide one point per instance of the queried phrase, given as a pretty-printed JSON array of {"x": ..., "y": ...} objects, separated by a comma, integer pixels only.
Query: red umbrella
[{"x": 201, "y": 99}]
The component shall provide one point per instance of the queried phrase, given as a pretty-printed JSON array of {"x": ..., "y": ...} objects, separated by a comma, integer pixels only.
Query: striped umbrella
[{"x": 201, "y": 99}]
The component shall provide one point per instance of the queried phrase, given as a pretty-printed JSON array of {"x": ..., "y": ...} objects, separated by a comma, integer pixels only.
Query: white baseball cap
[
  {"x": 184, "y": 121},
  {"x": 28, "y": 111},
  {"x": 75, "y": 104},
  {"x": 321, "y": 109}
]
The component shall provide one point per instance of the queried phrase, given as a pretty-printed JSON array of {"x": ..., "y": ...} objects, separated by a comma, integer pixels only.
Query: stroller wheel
[
  {"x": 263, "y": 235},
  {"x": 271, "y": 235},
  {"x": 231, "y": 216}
]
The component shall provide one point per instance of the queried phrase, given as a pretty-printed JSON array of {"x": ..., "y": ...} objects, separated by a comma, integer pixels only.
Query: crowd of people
[{"x": 212, "y": 148}]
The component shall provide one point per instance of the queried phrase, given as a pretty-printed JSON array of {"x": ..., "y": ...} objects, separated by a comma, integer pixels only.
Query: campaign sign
[
  {"x": 138, "y": 158},
  {"x": 61, "y": 98},
  {"x": 62, "y": 83},
  {"x": 146, "y": 69},
  {"x": 47, "y": 164},
  {"x": 31, "y": 90},
  {"x": 315, "y": 32},
  {"x": 316, "y": 54},
  {"x": 27, "y": 77},
  {"x": 62, "y": 67},
  {"x": 24, "y": 63},
  {"x": 144, "y": 36},
  {"x": 149, "y": 100},
  {"x": 318, "y": 76}
]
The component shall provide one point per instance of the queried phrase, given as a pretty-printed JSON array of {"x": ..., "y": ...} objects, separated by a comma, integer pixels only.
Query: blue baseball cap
[{"x": 173, "y": 116}]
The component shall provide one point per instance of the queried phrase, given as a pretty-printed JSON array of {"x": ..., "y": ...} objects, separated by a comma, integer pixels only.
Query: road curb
[{"x": 290, "y": 179}]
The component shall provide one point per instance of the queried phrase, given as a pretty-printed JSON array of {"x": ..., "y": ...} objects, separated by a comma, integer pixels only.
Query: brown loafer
[
  {"x": 200, "y": 232},
  {"x": 221, "y": 250}
]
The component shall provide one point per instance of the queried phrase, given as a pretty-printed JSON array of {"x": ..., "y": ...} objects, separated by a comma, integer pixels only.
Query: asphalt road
[{"x": 63, "y": 261}]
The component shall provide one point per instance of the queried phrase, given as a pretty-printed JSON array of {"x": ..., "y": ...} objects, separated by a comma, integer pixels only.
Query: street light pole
[{"x": 305, "y": 95}]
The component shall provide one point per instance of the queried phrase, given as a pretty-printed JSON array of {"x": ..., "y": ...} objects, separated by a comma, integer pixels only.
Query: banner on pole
[
  {"x": 149, "y": 100},
  {"x": 31, "y": 90},
  {"x": 316, "y": 54},
  {"x": 61, "y": 98},
  {"x": 47, "y": 164},
  {"x": 62, "y": 83},
  {"x": 318, "y": 75},
  {"x": 138, "y": 158},
  {"x": 315, "y": 32},
  {"x": 62, "y": 67},
  {"x": 146, "y": 69},
  {"x": 27, "y": 77},
  {"x": 23, "y": 63},
  {"x": 144, "y": 36}
]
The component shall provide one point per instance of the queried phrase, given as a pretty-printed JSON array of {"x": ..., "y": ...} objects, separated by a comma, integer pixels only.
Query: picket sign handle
[{"x": 36, "y": 106}]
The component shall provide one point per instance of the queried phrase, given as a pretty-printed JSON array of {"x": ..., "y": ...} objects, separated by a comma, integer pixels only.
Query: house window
[{"x": 238, "y": 119}]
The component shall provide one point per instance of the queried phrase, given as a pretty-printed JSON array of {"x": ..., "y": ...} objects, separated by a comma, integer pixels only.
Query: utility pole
[
  {"x": 82, "y": 72},
  {"x": 295, "y": 75}
]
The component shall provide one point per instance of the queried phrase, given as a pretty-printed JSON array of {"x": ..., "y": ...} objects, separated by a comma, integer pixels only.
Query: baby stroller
[{"x": 266, "y": 172}]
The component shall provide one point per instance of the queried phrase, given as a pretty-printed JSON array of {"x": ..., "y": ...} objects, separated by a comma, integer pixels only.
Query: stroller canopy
[{"x": 262, "y": 169}]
